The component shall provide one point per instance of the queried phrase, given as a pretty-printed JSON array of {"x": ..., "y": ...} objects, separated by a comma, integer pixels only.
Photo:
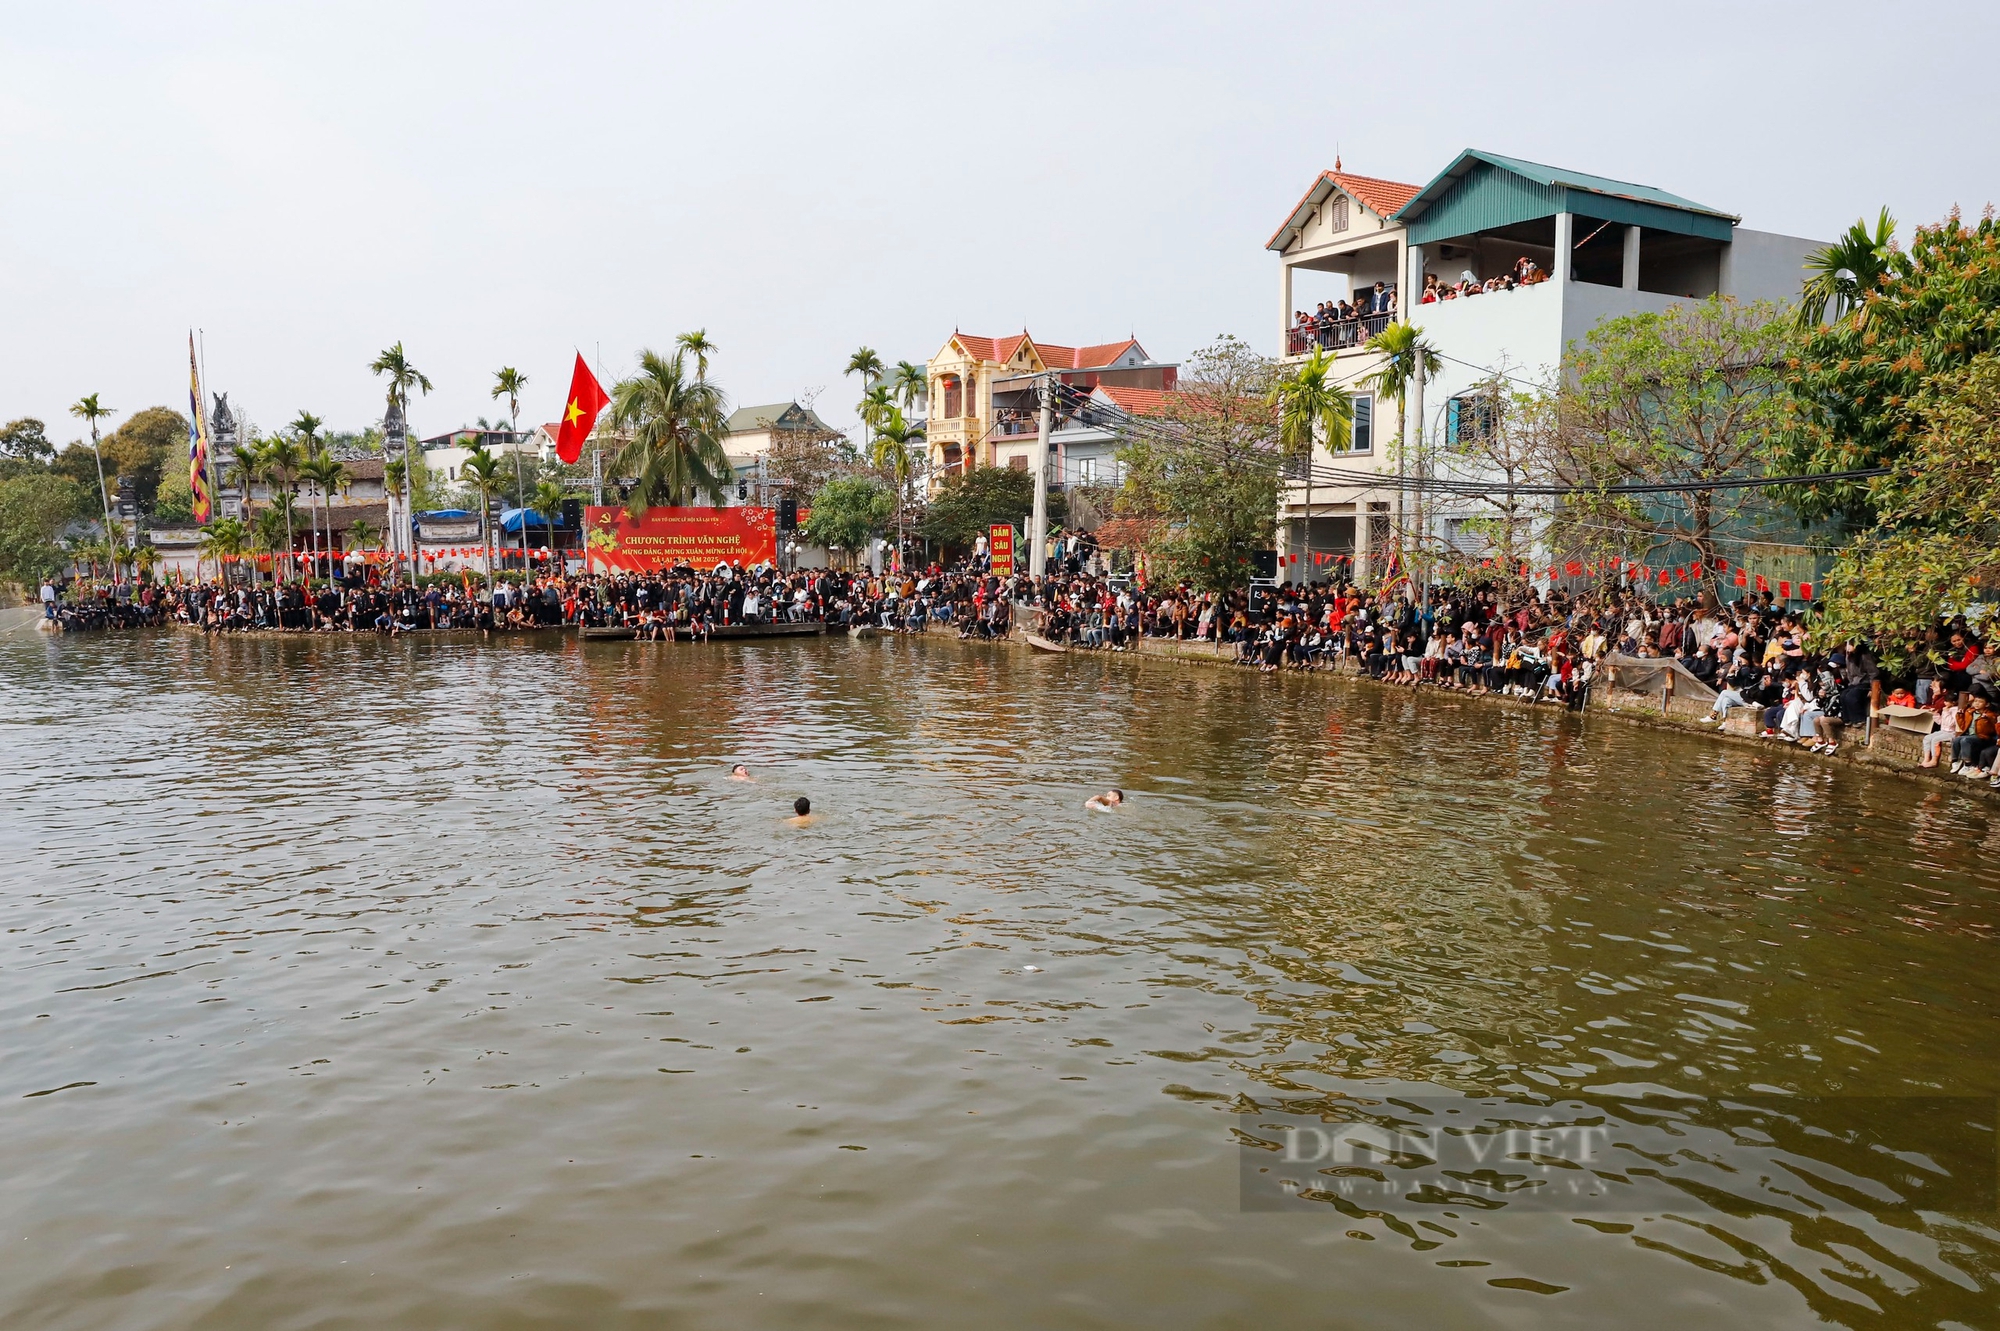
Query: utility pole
[
  {"x": 1038, "y": 531},
  {"x": 597, "y": 476}
]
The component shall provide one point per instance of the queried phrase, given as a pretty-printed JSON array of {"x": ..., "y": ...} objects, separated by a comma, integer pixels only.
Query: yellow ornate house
[{"x": 982, "y": 393}]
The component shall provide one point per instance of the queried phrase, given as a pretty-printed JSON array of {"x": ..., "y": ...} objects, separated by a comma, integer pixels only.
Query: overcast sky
[{"x": 499, "y": 184}]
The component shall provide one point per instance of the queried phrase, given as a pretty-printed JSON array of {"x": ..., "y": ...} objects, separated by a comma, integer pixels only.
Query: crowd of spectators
[
  {"x": 1524, "y": 273},
  {"x": 1474, "y": 636},
  {"x": 1336, "y": 324}
]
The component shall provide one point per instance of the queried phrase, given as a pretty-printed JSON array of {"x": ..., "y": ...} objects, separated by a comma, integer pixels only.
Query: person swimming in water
[
  {"x": 1106, "y": 802},
  {"x": 802, "y": 812},
  {"x": 740, "y": 773}
]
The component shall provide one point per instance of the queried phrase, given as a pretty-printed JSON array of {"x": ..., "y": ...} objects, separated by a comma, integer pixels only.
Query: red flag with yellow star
[{"x": 579, "y": 416}]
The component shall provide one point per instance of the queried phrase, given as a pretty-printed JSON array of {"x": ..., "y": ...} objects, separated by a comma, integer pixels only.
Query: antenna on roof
[{"x": 1336, "y": 159}]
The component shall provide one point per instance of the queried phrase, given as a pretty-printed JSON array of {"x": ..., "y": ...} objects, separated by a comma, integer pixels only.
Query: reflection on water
[{"x": 447, "y": 984}]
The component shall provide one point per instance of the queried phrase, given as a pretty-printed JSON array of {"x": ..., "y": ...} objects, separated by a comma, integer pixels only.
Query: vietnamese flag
[{"x": 579, "y": 416}]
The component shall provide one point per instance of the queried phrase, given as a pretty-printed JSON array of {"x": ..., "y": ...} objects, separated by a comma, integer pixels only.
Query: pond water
[{"x": 438, "y": 984}]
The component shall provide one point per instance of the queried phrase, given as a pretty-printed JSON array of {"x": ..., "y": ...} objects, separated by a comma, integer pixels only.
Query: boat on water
[{"x": 1041, "y": 644}]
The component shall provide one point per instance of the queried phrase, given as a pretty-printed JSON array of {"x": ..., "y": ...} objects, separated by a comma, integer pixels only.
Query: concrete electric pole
[{"x": 1038, "y": 545}]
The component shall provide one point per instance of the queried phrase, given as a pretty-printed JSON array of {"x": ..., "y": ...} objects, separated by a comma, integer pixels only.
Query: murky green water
[{"x": 434, "y": 985}]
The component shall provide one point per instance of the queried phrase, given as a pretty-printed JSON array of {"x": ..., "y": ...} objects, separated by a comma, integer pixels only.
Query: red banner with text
[
  {"x": 1000, "y": 548},
  {"x": 663, "y": 537}
]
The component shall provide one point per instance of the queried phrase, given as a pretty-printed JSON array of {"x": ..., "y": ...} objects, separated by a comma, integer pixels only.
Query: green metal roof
[{"x": 1480, "y": 191}]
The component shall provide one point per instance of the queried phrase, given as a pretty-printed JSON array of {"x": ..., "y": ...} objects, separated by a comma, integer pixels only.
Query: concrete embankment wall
[
  {"x": 1880, "y": 747},
  {"x": 20, "y": 618}
]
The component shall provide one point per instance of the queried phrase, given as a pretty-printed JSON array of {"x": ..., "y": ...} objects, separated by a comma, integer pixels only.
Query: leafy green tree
[
  {"x": 150, "y": 444},
  {"x": 1935, "y": 547},
  {"x": 34, "y": 508},
  {"x": 847, "y": 512},
  {"x": 1205, "y": 468},
  {"x": 174, "y": 501},
  {"x": 674, "y": 427},
  {"x": 1854, "y": 383},
  {"x": 1693, "y": 394},
  {"x": 24, "y": 443},
  {"x": 1312, "y": 409},
  {"x": 967, "y": 504}
]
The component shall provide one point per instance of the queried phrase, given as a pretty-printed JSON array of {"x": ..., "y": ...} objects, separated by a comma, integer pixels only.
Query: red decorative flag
[
  {"x": 1762, "y": 585},
  {"x": 1722, "y": 566},
  {"x": 1665, "y": 578},
  {"x": 1574, "y": 569},
  {"x": 579, "y": 417},
  {"x": 1742, "y": 578},
  {"x": 1805, "y": 591},
  {"x": 1784, "y": 590}
]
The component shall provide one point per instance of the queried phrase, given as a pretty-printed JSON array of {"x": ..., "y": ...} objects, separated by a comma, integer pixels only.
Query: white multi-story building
[{"x": 1606, "y": 248}]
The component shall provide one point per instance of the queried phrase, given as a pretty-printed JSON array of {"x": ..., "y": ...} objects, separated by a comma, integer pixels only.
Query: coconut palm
[
  {"x": 894, "y": 452},
  {"x": 909, "y": 382},
  {"x": 697, "y": 345},
  {"x": 272, "y": 530},
  {"x": 1846, "y": 271},
  {"x": 1312, "y": 408},
  {"x": 482, "y": 470},
  {"x": 548, "y": 502},
  {"x": 144, "y": 560},
  {"x": 673, "y": 426},
  {"x": 247, "y": 468},
  {"x": 402, "y": 377},
  {"x": 86, "y": 408},
  {"x": 866, "y": 363},
  {"x": 1406, "y": 359},
  {"x": 361, "y": 533}
]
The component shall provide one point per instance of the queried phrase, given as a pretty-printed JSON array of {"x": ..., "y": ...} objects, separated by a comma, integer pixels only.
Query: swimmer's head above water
[
  {"x": 739, "y": 773},
  {"x": 1110, "y": 799}
]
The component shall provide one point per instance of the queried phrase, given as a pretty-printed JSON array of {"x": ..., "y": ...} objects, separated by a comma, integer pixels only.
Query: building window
[
  {"x": 1018, "y": 462},
  {"x": 1337, "y": 219},
  {"x": 953, "y": 397},
  {"x": 1364, "y": 422},
  {"x": 1469, "y": 419}
]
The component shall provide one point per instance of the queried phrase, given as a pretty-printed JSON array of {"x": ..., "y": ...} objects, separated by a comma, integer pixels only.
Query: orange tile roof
[
  {"x": 1138, "y": 401},
  {"x": 1378, "y": 195},
  {"x": 1381, "y": 196},
  {"x": 1002, "y": 349},
  {"x": 1127, "y": 533}
]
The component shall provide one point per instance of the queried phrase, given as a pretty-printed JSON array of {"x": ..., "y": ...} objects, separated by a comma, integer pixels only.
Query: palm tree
[
  {"x": 893, "y": 452},
  {"x": 360, "y": 532},
  {"x": 482, "y": 469},
  {"x": 674, "y": 430},
  {"x": 247, "y": 469},
  {"x": 909, "y": 383},
  {"x": 868, "y": 365},
  {"x": 282, "y": 458},
  {"x": 273, "y": 526},
  {"x": 1312, "y": 408},
  {"x": 306, "y": 426},
  {"x": 548, "y": 499},
  {"x": 145, "y": 559},
  {"x": 697, "y": 345},
  {"x": 326, "y": 473},
  {"x": 221, "y": 540},
  {"x": 1406, "y": 359},
  {"x": 508, "y": 383},
  {"x": 87, "y": 409},
  {"x": 1846, "y": 271},
  {"x": 876, "y": 404},
  {"x": 403, "y": 376}
]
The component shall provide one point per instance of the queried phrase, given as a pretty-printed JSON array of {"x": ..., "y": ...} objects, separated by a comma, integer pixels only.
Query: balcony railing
[
  {"x": 1336, "y": 335},
  {"x": 1014, "y": 425}
]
